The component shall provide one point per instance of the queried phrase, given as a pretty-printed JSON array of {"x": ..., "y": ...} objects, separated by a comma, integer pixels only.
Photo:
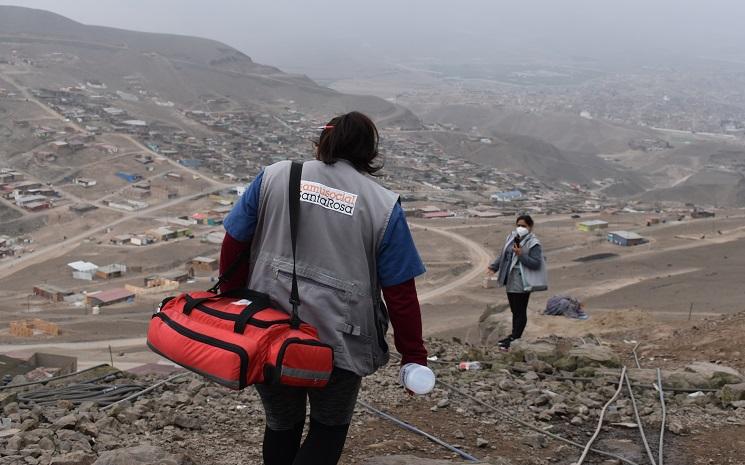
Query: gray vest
[{"x": 343, "y": 217}]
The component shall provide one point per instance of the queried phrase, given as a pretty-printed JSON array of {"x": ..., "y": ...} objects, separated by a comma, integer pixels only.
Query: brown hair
[{"x": 352, "y": 137}]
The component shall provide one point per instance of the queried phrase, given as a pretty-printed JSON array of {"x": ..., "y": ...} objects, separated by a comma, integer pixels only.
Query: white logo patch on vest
[{"x": 328, "y": 197}]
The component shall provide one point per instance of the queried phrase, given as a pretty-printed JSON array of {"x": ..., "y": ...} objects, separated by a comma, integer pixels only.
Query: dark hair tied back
[
  {"x": 352, "y": 137},
  {"x": 528, "y": 220}
]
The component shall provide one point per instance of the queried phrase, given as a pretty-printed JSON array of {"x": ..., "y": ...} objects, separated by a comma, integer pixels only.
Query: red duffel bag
[{"x": 239, "y": 338}]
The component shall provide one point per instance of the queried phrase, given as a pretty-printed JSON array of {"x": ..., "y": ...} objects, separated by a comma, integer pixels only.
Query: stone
[
  {"x": 576, "y": 421},
  {"x": 481, "y": 442},
  {"x": 443, "y": 403},
  {"x": 733, "y": 393},
  {"x": 459, "y": 434},
  {"x": 11, "y": 408},
  {"x": 718, "y": 375},
  {"x": 87, "y": 427},
  {"x": 523, "y": 351},
  {"x": 536, "y": 441},
  {"x": 66, "y": 422},
  {"x": 15, "y": 443},
  {"x": 588, "y": 355},
  {"x": 77, "y": 457},
  {"x": 677, "y": 427},
  {"x": 46, "y": 444},
  {"x": 29, "y": 424},
  {"x": 141, "y": 455}
]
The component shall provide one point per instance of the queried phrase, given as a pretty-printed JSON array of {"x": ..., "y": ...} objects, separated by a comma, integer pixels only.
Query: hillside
[
  {"x": 567, "y": 132},
  {"x": 535, "y": 157},
  {"x": 178, "y": 68}
]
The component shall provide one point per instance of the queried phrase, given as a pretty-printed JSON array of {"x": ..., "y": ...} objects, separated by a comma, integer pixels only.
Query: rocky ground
[{"x": 556, "y": 385}]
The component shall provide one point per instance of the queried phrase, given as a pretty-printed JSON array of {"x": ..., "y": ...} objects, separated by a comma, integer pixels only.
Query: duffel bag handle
[{"x": 259, "y": 298}]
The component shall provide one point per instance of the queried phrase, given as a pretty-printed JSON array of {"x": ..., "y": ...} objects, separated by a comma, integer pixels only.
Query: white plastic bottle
[{"x": 417, "y": 378}]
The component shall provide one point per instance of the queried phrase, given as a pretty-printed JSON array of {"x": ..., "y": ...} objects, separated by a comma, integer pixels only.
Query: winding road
[{"x": 480, "y": 259}]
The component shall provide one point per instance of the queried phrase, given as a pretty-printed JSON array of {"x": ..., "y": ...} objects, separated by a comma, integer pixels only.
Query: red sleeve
[
  {"x": 406, "y": 319},
  {"x": 231, "y": 249}
]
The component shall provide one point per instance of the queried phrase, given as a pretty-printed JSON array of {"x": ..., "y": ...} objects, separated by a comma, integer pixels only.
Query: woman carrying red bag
[{"x": 353, "y": 245}]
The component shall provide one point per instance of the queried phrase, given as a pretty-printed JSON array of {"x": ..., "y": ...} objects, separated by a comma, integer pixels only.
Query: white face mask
[{"x": 522, "y": 231}]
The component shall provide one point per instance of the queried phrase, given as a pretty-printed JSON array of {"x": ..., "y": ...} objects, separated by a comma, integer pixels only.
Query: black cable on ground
[
  {"x": 533, "y": 427},
  {"x": 101, "y": 394},
  {"x": 413, "y": 429},
  {"x": 144, "y": 391},
  {"x": 55, "y": 378}
]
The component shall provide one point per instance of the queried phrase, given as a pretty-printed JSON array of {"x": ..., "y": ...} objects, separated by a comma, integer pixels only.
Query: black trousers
[{"x": 519, "y": 308}]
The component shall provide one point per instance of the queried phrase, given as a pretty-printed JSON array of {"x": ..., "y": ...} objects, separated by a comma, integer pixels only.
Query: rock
[
  {"x": 29, "y": 424},
  {"x": 77, "y": 457},
  {"x": 443, "y": 403},
  {"x": 522, "y": 351},
  {"x": 493, "y": 328},
  {"x": 46, "y": 444},
  {"x": 87, "y": 427},
  {"x": 588, "y": 355},
  {"x": 677, "y": 427},
  {"x": 718, "y": 375},
  {"x": 481, "y": 442},
  {"x": 459, "y": 434},
  {"x": 559, "y": 409},
  {"x": 733, "y": 393},
  {"x": 536, "y": 441},
  {"x": 11, "y": 408},
  {"x": 186, "y": 422},
  {"x": 142, "y": 455},
  {"x": 576, "y": 421},
  {"x": 66, "y": 422},
  {"x": 15, "y": 443}
]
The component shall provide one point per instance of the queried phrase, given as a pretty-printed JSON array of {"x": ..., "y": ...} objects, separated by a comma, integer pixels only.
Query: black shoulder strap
[
  {"x": 241, "y": 258},
  {"x": 296, "y": 171}
]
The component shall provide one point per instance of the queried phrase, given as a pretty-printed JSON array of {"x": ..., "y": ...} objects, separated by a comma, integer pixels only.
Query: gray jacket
[
  {"x": 532, "y": 265},
  {"x": 343, "y": 217}
]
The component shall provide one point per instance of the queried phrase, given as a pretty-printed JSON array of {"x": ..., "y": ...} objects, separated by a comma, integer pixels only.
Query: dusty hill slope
[
  {"x": 179, "y": 68},
  {"x": 567, "y": 132},
  {"x": 534, "y": 157}
]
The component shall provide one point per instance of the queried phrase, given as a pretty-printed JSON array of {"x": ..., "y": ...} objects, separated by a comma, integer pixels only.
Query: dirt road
[{"x": 480, "y": 259}]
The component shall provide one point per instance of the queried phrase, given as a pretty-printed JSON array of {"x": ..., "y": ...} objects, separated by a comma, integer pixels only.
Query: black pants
[
  {"x": 519, "y": 308},
  {"x": 331, "y": 410}
]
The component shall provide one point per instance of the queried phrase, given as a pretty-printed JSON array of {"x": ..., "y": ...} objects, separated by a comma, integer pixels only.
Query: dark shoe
[{"x": 504, "y": 344}]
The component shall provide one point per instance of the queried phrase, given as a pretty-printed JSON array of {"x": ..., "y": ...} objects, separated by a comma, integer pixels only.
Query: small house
[
  {"x": 83, "y": 270},
  {"x": 625, "y": 238},
  {"x": 111, "y": 271},
  {"x": 204, "y": 264},
  {"x": 110, "y": 297},
  {"x": 51, "y": 293},
  {"x": 162, "y": 233},
  {"x": 593, "y": 225}
]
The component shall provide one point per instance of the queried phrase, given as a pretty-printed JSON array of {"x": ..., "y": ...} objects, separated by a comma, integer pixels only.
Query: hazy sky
[{"x": 293, "y": 34}]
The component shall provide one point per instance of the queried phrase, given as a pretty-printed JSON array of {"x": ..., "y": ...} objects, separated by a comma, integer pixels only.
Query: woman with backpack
[
  {"x": 353, "y": 245},
  {"x": 522, "y": 270}
]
